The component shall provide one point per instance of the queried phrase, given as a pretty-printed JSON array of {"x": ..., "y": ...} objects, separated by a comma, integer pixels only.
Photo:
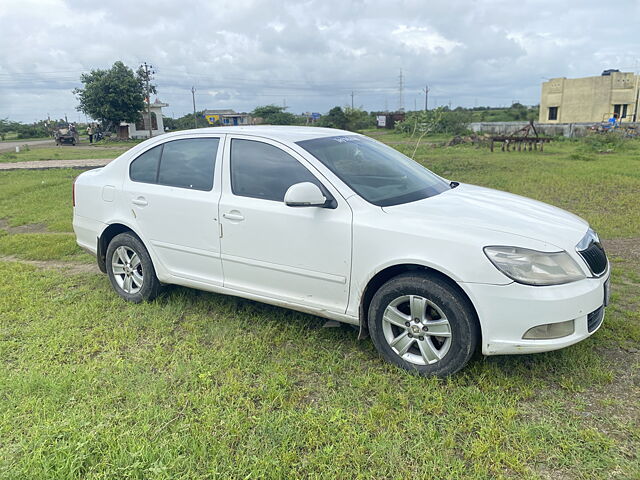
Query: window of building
[
  {"x": 260, "y": 170},
  {"x": 553, "y": 113},
  {"x": 621, "y": 110},
  {"x": 189, "y": 163},
  {"x": 143, "y": 122},
  {"x": 185, "y": 163}
]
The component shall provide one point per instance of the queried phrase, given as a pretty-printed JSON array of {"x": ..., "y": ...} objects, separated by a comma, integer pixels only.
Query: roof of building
[
  {"x": 224, "y": 111},
  {"x": 277, "y": 132}
]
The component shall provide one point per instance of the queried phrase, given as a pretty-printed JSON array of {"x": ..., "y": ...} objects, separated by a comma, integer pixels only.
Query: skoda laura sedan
[{"x": 344, "y": 227}]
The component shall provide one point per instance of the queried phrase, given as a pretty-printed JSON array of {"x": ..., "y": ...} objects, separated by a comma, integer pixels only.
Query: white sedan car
[{"x": 344, "y": 227}]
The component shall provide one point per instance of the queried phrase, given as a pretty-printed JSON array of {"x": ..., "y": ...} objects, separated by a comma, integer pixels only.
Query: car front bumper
[{"x": 506, "y": 312}]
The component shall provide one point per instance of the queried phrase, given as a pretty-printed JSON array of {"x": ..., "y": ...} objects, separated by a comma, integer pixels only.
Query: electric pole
[
  {"x": 193, "y": 97},
  {"x": 147, "y": 72},
  {"x": 400, "y": 93},
  {"x": 351, "y": 99},
  {"x": 426, "y": 98}
]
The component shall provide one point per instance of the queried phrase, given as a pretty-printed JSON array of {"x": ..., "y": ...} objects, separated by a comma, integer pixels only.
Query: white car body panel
[{"x": 320, "y": 260}]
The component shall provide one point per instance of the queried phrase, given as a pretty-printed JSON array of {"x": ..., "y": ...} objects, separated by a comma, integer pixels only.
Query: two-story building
[{"x": 590, "y": 99}]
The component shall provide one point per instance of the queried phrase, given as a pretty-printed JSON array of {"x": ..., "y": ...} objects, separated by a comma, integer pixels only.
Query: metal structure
[{"x": 520, "y": 140}]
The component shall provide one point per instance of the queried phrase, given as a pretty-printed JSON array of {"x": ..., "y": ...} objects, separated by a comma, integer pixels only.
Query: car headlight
[{"x": 534, "y": 268}]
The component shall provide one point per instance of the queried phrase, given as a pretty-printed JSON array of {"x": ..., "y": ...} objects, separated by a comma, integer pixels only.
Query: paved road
[
  {"x": 11, "y": 146},
  {"x": 47, "y": 164}
]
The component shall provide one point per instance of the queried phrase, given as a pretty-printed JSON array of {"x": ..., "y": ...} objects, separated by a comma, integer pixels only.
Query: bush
[
  {"x": 435, "y": 121},
  {"x": 607, "y": 142}
]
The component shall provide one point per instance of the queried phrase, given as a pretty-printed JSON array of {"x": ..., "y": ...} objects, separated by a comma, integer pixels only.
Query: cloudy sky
[{"x": 310, "y": 55}]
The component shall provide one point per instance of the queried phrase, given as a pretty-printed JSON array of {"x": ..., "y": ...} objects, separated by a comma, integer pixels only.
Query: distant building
[
  {"x": 140, "y": 129},
  {"x": 590, "y": 99},
  {"x": 227, "y": 117}
]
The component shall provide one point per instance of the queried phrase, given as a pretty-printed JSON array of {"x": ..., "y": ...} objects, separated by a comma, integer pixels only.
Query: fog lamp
[{"x": 550, "y": 330}]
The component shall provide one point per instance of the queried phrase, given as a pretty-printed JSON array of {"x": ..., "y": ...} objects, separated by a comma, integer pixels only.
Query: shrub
[
  {"x": 435, "y": 121},
  {"x": 603, "y": 142}
]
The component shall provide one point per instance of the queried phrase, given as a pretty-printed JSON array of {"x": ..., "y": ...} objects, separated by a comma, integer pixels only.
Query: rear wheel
[
  {"x": 130, "y": 269},
  {"x": 423, "y": 325}
]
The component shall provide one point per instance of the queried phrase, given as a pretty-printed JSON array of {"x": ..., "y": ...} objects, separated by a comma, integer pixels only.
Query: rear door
[{"x": 173, "y": 190}]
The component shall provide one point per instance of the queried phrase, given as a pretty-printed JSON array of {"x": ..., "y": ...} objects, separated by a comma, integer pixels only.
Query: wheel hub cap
[
  {"x": 127, "y": 269},
  {"x": 417, "y": 330}
]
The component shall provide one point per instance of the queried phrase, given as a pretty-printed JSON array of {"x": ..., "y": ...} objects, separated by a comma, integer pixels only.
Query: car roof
[{"x": 276, "y": 132}]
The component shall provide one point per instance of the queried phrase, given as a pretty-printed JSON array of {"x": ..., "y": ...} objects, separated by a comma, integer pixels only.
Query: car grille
[
  {"x": 595, "y": 257},
  {"x": 594, "y": 319}
]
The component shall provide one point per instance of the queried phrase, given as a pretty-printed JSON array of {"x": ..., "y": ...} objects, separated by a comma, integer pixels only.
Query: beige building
[{"x": 590, "y": 99}]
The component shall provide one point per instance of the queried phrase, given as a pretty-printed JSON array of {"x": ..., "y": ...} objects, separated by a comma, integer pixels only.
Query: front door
[
  {"x": 297, "y": 254},
  {"x": 174, "y": 198}
]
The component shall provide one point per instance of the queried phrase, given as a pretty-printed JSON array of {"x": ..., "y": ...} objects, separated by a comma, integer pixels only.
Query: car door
[
  {"x": 173, "y": 190},
  {"x": 297, "y": 254}
]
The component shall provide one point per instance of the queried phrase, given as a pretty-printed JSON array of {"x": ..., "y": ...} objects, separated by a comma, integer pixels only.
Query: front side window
[
  {"x": 260, "y": 170},
  {"x": 378, "y": 173},
  {"x": 188, "y": 163}
]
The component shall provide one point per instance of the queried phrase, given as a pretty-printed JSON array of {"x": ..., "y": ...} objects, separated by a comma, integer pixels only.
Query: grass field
[
  {"x": 63, "y": 152},
  {"x": 95, "y": 388}
]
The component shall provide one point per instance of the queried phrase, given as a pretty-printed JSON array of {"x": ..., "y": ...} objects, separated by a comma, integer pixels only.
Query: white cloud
[
  {"x": 422, "y": 38},
  {"x": 310, "y": 54}
]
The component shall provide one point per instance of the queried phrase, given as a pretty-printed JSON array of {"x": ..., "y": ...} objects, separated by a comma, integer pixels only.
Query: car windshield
[{"x": 378, "y": 173}]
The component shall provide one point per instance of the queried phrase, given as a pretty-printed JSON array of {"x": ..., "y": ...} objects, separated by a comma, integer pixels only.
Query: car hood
[{"x": 468, "y": 206}]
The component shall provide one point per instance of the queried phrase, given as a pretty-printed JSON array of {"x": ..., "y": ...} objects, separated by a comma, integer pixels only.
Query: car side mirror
[{"x": 305, "y": 194}]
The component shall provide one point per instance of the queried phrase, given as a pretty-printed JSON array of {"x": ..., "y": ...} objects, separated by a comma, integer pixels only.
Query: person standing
[{"x": 90, "y": 133}]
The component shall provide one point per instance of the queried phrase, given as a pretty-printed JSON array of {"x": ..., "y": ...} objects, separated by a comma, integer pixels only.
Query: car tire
[
  {"x": 423, "y": 324},
  {"x": 130, "y": 269}
]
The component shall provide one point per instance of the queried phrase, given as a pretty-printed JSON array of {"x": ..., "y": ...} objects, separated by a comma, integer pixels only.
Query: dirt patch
[
  {"x": 29, "y": 228},
  {"x": 625, "y": 248},
  {"x": 66, "y": 268},
  {"x": 47, "y": 164}
]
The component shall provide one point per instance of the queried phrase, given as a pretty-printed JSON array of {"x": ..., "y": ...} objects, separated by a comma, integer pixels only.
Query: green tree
[
  {"x": 357, "y": 119},
  {"x": 274, "y": 115},
  {"x": 334, "y": 119},
  {"x": 112, "y": 96},
  {"x": 439, "y": 120}
]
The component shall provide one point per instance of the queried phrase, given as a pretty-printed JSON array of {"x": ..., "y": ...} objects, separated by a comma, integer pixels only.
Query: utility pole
[
  {"x": 193, "y": 97},
  {"x": 400, "y": 93},
  {"x": 148, "y": 71},
  {"x": 426, "y": 98},
  {"x": 351, "y": 99}
]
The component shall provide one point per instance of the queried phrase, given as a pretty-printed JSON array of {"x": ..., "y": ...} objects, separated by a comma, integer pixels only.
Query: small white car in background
[{"x": 344, "y": 227}]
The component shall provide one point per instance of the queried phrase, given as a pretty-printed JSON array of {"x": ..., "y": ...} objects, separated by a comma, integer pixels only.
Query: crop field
[{"x": 198, "y": 385}]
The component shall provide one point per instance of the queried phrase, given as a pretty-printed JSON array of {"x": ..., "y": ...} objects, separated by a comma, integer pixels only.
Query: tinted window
[
  {"x": 378, "y": 173},
  {"x": 145, "y": 167},
  {"x": 189, "y": 163},
  {"x": 260, "y": 170}
]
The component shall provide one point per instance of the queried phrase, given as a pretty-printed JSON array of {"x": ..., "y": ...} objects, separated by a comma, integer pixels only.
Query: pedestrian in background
[{"x": 90, "y": 133}]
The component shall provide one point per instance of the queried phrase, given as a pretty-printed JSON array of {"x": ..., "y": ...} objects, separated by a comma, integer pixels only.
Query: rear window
[{"x": 187, "y": 163}]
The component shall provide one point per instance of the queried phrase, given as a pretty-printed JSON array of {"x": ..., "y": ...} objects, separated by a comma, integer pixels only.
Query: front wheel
[
  {"x": 424, "y": 325},
  {"x": 130, "y": 269}
]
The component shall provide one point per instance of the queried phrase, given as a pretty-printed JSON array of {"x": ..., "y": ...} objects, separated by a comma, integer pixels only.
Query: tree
[
  {"x": 439, "y": 120},
  {"x": 274, "y": 115},
  {"x": 112, "y": 96},
  {"x": 358, "y": 119},
  {"x": 334, "y": 119}
]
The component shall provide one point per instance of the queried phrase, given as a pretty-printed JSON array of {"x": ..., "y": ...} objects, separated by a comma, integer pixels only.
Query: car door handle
[
  {"x": 233, "y": 216},
  {"x": 141, "y": 201}
]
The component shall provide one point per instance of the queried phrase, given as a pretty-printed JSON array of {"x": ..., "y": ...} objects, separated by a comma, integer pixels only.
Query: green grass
[
  {"x": 63, "y": 152},
  {"x": 94, "y": 388}
]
